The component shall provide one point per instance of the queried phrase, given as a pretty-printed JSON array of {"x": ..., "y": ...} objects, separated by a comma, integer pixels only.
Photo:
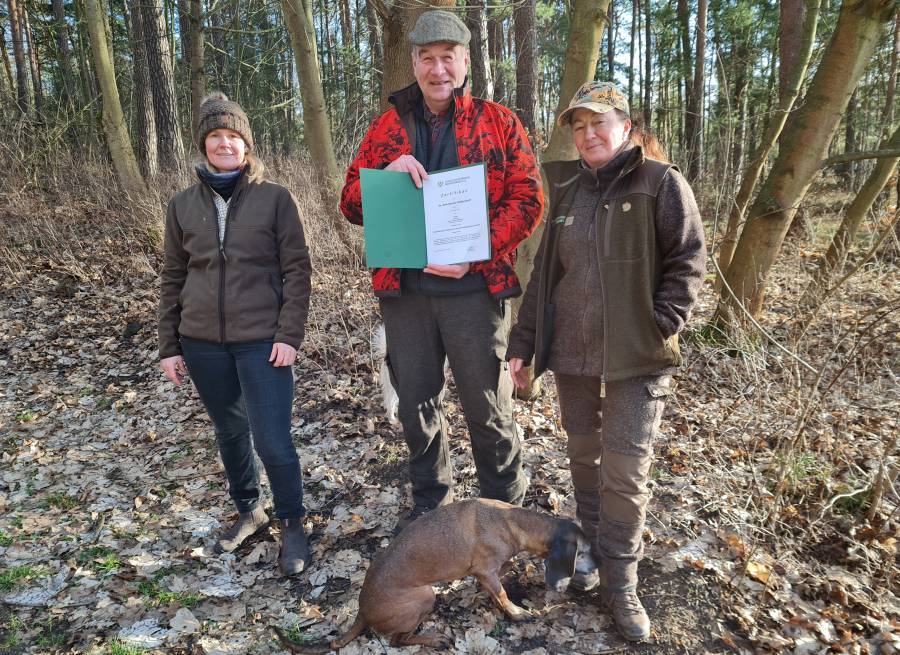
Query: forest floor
[{"x": 757, "y": 538}]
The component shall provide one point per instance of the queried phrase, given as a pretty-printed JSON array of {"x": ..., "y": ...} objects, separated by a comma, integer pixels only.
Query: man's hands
[
  {"x": 448, "y": 270},
  {"x": 282, "y": 354},
  {"x": 517, "y": 372},
  {"x": 411, "y": 165}
]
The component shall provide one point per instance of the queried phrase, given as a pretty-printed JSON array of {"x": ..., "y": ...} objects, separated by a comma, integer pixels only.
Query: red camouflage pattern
[{"x": 485, "y": 132}]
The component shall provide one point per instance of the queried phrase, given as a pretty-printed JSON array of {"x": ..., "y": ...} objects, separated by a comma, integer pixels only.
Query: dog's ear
[{"x": 559, "y": 566}]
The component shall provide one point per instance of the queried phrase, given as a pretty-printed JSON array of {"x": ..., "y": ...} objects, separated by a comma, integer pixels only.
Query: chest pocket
[{"x": 627, "y": 230}]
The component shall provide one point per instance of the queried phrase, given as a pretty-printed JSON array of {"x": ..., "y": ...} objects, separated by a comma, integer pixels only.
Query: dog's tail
[
  {"x": 378, "y": 342},
  {"x": 322, "y": 647},
  {"x": 355, "y": 630}
]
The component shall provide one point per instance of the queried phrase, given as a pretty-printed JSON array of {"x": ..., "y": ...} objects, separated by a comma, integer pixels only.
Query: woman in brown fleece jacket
[
  {"x": 621, "y": 262},
  {"x": 233, "y": 305}
]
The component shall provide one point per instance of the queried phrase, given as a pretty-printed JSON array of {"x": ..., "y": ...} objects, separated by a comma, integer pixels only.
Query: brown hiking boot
[
  {"x": 247, "y": 525},
  {"x": 628, "y": 613}
]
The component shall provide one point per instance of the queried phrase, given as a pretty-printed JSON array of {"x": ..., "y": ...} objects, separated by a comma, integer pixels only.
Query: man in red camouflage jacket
[{"x": 458, "y": 310}]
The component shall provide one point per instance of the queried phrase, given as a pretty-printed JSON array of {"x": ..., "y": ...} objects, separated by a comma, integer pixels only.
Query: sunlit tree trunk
[
  {"x": 526, "y": 64},
  {"x": 162, "y": 83},
  {"x": 145, "y": 122},
  {"x": 805, "y": 145},
  {"x": 771, "y": 136},
  {"x": 583, "y": 49},
  {"x": 117, "y": 141},
  {"x": 18, "y": 43}
]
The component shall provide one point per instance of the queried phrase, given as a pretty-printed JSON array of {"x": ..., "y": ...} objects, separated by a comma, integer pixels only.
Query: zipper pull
[
  {"x": 603, "y": 387},
  {"x": 222, "y": 252}
]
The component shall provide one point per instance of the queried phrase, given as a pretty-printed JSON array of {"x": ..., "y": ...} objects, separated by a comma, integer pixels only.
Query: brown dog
[{"x": 472, "y": 537}]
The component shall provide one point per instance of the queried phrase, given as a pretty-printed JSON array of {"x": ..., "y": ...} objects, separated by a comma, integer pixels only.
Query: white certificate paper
[{"x": 456, "y": 215}]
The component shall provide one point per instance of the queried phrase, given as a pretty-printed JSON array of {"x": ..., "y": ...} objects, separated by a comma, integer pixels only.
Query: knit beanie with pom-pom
[{"x": 218, "y": 112}]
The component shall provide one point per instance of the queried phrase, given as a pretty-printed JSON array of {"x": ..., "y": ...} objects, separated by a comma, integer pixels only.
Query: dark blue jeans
[{"x": 244, "y": 393}]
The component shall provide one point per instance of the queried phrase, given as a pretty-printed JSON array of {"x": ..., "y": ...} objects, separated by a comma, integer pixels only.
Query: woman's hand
[
  {"x": 517, "y": 372},
  {"x": 174, "y": 368},
  {"x": 282, "y": 354},
  {"x": 447, "y": 270}
]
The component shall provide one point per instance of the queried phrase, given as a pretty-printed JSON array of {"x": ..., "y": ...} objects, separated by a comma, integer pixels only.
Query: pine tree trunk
[
  {"x": 586, "y": 26},
  {"x": 298, "y": 17},
  {"x": 648, "y": 77},
  {"x": 9, "y": 84},
  {"x": 18, "y": 42},
  {"x": 693, "y": 120},
  {"x": 145, "y": 122},
  {"x": 375, "y": 38},
  {"x": 120, "y": 150},
  {"x": 526, "y": 64},
  {"x": 853, "y": 218},
  {"x": 805, "y": 145},
  {"x": 33, "y": 63},
  {"x": 887, "y": 115},
  {"x": 170, "y": 150},
  {"x": 482, "y": 77},
  {"x": 772, "y": 135},
  {"x": 611, "y": 42},
  {"x": 495, "y": 49},
  {"x": 62, "y": 47},
  {"x": 195, "y": 60}
]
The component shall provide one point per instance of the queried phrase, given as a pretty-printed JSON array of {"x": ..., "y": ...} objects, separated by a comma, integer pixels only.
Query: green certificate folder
[
  {"x": 406, "y": 227},
  {"x": 393, "y": 220}
]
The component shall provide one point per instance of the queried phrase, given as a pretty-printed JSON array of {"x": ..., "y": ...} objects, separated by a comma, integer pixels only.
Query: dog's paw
[{"x": 517, "y": 614}]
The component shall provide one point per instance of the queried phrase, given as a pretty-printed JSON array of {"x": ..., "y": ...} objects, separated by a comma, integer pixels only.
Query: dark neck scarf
[{"x": 221, "y": 183}]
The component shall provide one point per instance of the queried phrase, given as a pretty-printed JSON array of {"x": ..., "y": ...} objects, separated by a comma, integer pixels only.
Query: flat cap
[{"x": 437, "y": 26}]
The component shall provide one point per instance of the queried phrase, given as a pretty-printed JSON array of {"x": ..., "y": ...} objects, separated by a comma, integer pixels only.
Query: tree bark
[
  {"x": 648, "y": 76},
  {"x": 846, "y": 168},
  {"x": 526, "y": 64},
  {"x": 887, "y": 115},
  {"x": 791, "y": 13},
  {"x": 771, "y": 136},
  {"x": 495, "y": 49},
  {"x": 482, "y": 75},
  {"x": 693, "y": 120},
  {"x": 611, "y": 42},
  {"x": 34, "y": 63},
  {"x": 64, "y": 50},
  {"x": 145, "y": 122},
  {"x": 317, "y": 129},
  {"x": 120, "y": 150},
  {"x": 843, "y": 62},
  {"x": 375, "y": 38},
  {"x": 846, "y": 232},
  {"x": 18, "y": 43},
  {"x": 586, "y": 25},
  {"x": 170, "y": 150}
]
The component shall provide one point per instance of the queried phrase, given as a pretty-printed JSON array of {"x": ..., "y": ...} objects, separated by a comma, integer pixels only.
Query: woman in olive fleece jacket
[
  {"x": 619, "y": 268},
  {"x": 234, "y": 299}
]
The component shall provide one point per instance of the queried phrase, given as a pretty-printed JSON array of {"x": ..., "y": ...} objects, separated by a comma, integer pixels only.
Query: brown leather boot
[
  {"x": 294, "y": 547},
  {"x": 247, "y": 525},
  {"x": 628, "y": 614}
]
